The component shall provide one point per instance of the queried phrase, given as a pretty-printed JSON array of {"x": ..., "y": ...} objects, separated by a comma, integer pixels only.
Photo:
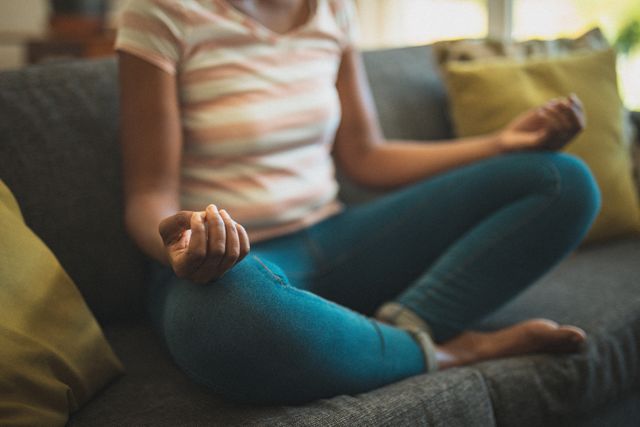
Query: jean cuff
[{"x": 398, "y": 315}]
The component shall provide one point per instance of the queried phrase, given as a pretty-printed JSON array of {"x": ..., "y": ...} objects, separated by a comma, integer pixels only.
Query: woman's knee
[
  {"x": 226, "y": 334},
  {"x": 577, "y": 186},
  {"x": 564, "y": 178}
]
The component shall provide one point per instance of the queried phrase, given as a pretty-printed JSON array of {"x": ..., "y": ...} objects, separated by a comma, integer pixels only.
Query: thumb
[
  {"x": 533, "y": 139},
  {"x": 171, "y": 228}
]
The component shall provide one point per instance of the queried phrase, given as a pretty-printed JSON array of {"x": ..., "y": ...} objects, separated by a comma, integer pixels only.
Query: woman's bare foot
[{"x": 532, "y": 336}]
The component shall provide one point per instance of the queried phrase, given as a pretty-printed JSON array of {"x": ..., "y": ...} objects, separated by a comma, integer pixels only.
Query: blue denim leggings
[{"x": 289, "y": 323}]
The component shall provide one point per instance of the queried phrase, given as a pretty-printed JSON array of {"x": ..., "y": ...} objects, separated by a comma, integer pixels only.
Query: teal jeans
[{"x": 290, "y": 323}]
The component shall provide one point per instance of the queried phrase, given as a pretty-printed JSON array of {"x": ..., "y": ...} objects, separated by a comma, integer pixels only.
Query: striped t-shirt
[{"x": 259, "y": 109}]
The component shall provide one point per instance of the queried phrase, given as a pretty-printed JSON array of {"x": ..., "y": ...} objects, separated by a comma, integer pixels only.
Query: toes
[
  {"x": 546, "y": 336},
  {"x": 546, "y": 322},
  {"x": 565, "y": 339},
  {"x": 577, "y": 331},
  {"x": 539, "y": 325}
]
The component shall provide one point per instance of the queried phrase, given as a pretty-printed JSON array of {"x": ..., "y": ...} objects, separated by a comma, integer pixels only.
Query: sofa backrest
[
  {"x": 411, "y": 101},
  {"x": 59, "y": 154},
  {"x": 409, "y": 93}
]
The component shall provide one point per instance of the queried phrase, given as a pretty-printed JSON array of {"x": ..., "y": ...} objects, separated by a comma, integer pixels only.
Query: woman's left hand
[{"x": 548, "y": 127}]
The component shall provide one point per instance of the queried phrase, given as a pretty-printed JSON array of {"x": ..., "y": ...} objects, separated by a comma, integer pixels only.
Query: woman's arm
[
  {"x": 200, "y": 246},
  {"x": 361, "y": 151},
  {"x": 151, "y": 145}
]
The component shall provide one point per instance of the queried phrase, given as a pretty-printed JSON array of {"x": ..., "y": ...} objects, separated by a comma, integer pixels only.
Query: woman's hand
[
  {"x": 549, "y": 127},
  {"x": 202, "y": 246}
]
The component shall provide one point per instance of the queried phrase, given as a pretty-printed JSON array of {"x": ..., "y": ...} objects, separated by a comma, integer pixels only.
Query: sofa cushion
[
  {"x": 154, "y": 392},
  {"x": 59, "y": 154},
  {"x": 53, "y": 355},
  {"x": 408, "y": 92},
  {"x": 596, "y": 289},
  {"x": 487, "y": 95}
]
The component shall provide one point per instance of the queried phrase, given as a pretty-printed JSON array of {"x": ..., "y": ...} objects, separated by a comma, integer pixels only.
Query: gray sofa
[{"x": 59, "y": 153}]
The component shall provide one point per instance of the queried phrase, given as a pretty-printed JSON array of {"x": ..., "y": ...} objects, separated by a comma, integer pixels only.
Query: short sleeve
[
  {"x": 152, "y": 31},
  {"x": 347, "y": 20}
]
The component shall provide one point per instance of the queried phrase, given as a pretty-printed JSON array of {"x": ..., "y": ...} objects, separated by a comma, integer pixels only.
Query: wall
[{"x": 19, "y": 18}]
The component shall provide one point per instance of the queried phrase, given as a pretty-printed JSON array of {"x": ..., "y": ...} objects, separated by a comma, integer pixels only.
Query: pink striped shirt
[{"x": 259, "y": 109}]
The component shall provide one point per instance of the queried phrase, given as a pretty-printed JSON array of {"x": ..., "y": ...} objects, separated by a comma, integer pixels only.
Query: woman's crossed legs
[{"x": 288, "y": 323}]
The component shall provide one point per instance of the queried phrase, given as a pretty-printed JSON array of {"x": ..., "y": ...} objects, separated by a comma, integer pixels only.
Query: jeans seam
[
  {"x": 383, "y": 348},
  {"x": 272, "y": 274},
  {"x": 452, "y": 274}
]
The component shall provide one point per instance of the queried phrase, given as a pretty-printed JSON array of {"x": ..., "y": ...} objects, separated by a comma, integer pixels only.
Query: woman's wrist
[{"x": 498, "y": 143}]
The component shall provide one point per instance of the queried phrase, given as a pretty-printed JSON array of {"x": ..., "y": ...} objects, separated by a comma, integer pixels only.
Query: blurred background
[{"x": 34, "y": 31}]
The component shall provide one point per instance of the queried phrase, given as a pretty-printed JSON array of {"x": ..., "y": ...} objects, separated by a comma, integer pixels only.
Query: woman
[{"x": 230, "y": 109}]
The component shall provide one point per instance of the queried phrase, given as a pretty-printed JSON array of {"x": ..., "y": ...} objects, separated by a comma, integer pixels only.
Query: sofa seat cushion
[
  {"x": 154, "y": 392},
  {"x": 596, "y": 289}
]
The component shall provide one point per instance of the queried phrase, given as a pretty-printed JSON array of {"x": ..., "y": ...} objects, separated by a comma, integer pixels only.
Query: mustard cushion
[
  {"x": 486, "y": 95},
  {"x": 53, "y": 355}
]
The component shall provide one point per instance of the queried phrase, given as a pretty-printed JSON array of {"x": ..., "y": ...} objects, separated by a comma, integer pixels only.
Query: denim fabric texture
[{"x": 289, "y": 323}]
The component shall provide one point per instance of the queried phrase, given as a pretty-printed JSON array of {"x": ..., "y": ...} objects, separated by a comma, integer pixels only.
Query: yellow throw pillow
[
  {"x": 53, "y": 355},
  {"x": 486, "y": 95}
]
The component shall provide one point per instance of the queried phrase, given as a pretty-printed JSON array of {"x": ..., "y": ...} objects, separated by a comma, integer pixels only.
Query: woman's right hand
[
  {"x": 202, "y": 246},
  {"x": 549, "y": 127}
]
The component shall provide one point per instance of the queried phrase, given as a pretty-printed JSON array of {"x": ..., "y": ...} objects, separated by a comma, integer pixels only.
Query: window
[
  {"x": 411, "y": 22},
  {"x": 387, "y": 23},
  {"x": 553, "y": 18}
]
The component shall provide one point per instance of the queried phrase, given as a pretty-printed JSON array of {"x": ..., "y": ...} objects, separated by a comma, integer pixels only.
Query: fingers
[
  {"x": 245, "y": 246},
  {"x": 171, "y": 228},
  {"x": 571, "y": 111},
  {"x": 202, "y": 246},
  {"x": 534, "y": 139},
  {"x": 216, "y": 246},
  {"x": 227, "y": 243},
  {"x": 552, "y": 118},
  {"x": 197, "y": 250},
  {"x": 564, "y": 118},
  {"x": 578, "y": 108},
  {"x": 232, "y": 250}
]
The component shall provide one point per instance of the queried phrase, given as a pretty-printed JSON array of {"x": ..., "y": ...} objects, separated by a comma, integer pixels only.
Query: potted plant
[{"x": 628, "y": 38}]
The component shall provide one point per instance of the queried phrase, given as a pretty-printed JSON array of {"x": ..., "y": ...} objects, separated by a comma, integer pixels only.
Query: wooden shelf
[
  {"x": 71, "y": 36},
  {"x": 57, "y": 47}
]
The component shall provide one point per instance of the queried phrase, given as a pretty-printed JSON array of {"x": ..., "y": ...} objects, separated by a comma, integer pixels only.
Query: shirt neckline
[{"x": 262, "y": 30}]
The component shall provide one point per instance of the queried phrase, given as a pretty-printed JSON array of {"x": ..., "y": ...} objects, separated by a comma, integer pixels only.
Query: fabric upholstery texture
[
  {"x": 155, "y": 388},
  {"x": 59, "y": 154},
  {"x": 53, "y": 355},
  {"x": 485, "y": 96},
  {"x": 597, "y": 289}
]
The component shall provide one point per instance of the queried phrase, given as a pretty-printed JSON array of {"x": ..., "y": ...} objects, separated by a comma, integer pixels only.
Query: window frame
[{"x": 500, "y": 13}]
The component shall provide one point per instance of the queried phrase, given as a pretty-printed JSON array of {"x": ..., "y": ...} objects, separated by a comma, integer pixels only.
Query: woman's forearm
[
  {"x": 397, "y": 163},
  {"x": 143, "y": 216}
]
